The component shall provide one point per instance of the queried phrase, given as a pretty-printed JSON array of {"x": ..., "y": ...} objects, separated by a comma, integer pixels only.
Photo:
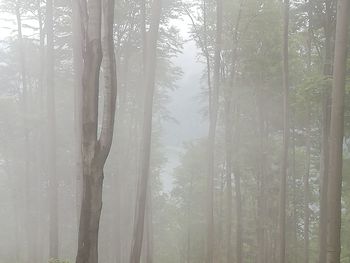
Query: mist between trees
[{"x": 173, "y": 131}]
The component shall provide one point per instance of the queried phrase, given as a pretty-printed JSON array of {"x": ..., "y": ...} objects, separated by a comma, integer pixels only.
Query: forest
[{"x": 174, "y": 131}]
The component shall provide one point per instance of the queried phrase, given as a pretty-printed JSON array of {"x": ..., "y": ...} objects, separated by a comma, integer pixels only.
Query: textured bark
[
  {"x": 284, "y": 170},
  {"x": 142, "y": 189},
  {"x": 95, "y": 149},
  {"x": 337, "y": 134}
]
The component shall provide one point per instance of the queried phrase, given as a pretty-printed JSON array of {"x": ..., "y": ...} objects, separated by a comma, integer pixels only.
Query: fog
[{"x": 174, "y": 131}]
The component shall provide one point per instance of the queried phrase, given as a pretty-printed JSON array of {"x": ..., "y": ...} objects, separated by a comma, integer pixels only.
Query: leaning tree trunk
[
  {"x": 95, "y": 149},
  {"x": 282, "y": 210},
  {"x": 142, "y": 189},
  {"x": 337, "y": 134}
]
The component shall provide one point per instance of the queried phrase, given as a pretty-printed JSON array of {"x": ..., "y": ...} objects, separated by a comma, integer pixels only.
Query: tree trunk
[
  {"x": 326, "y": 105},
  {"x": 307, "y": 189},
  {"x": 284, "y": 172},
  {"x": 140, "y": 208},
  {"x": 261, "y": 202},
  {"x": 308, "y": 145},
  {"x": 78, "y": 68},
  {"x": 213, "y": 112},
  {"x": 337, "y": 134},
  {"x": 228, "y": 99},
  {"x": 95, "y": 150},
  {"x": 51, "y": 130},
  {"x": 27, "y": 186},
  {"x": 237, "y": 178}
]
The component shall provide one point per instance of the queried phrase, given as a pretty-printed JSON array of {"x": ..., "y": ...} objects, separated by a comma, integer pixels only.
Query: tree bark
[
  {"x": 284, "y": 172},
  {"x": 95, "y": 149},
  {"x": 337, "y": 134},
  {"x": 326, "y": 109}
]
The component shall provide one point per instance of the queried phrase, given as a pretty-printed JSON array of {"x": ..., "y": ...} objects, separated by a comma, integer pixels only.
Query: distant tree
[
  {"x": 150, "y": 58},
  {"x": 284, "y": 168},
  {"x": 51, "y": 130}
]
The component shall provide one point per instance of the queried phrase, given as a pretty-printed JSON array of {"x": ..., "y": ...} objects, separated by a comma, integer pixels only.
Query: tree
[
  {"x": 78, "y": 67},
  {"x": 337, "y": 134},
  {"x": 142, "y": 187},
  {"x": 213, "y": 113},
  {"x": 326, "y": 106},
  {"x": 284, "y": 171},
  {"x": 95, "y": 15},
  {"x": 51, "y": 130}
]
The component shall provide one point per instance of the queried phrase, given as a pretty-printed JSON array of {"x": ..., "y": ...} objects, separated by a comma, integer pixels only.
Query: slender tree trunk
[
  {"x": 149, "y": 224},
  {"x": 237, "y": 178},
  {"x": 41, "y": 172},
  {"x": 294, "y": 191},
  {"x": 307, "y": 189},
  {"x": 140, "y": 208},
  {"x": 326, "y": 106},
  {"x": 189, "y": 222},
  {"x": 284, "y": 172},
  {"x": 213, "y": 112},
  {"x": 95, "y": 150},
  {"x": 229, "y": 133},
  {"x": 261, "y": 202},
  {"x": 27, "y": 186},
  {"x": 78, "y": 68},
  {"x": 51, "y": 130},
  {"x": 337, "y": 134},
  {"x": 308, "y": 146}
]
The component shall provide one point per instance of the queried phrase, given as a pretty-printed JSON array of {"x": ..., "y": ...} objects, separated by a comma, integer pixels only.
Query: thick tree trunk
[
  {"x": 95, "y": 150},
  {"x": 284, "y": 170},
  {"x": 337, "y": 134},
  {"x": 140, "y": 208}
]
